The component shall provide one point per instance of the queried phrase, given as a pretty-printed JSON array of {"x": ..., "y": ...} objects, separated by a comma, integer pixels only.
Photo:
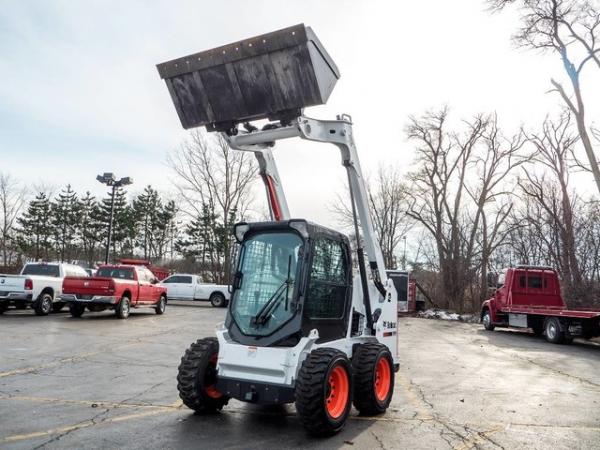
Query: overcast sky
[{"x": 80, "y": 93}]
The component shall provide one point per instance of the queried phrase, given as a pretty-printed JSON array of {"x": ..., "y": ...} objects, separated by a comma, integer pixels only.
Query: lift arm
[{"x": 337, "y": 132}]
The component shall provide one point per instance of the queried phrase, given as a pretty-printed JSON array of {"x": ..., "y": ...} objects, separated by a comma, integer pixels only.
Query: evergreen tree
[
  {"x": 122, "y": 223},
  {"x": 147, "y": 208},
  {"x": 35, "y": 232},
  {"x": 91, "y": 229},
  {"x": 65, "y": 221}
]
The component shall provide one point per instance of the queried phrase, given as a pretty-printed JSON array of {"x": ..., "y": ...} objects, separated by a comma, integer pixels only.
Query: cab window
[{"x": 326, "y": 295}]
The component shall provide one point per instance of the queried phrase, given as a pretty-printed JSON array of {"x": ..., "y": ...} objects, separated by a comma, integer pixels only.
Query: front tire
[
  {"x": 486, "y": 319},
  {"x": 162, "y": 305},
  {"x": 324, "y": 391},
  {"x": 76, "y": 310},
  {"x": 198, "y": 375},
  {"x": 373, "y": 378},
  {"x": 218, "y": 300},
  {"x": 43, "y": 306},
  {"x": 123, "y": 308}
]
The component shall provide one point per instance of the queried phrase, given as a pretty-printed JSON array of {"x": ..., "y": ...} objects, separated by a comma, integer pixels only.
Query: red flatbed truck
[{"x": 529, "y": 297}]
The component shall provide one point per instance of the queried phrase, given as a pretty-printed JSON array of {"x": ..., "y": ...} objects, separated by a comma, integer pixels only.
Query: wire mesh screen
[{"x": 326, "y": 296}]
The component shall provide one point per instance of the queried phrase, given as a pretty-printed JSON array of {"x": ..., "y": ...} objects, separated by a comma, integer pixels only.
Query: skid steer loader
[{"x": 301, "y": 327}]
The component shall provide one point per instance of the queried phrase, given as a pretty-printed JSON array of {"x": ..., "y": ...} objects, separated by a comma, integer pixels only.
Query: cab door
[
  {"x": 145, "y": 278},
  {"x": 173, "y": 286}
]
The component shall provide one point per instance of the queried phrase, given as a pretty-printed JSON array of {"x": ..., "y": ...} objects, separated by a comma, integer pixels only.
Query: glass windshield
[
  {"x": 115, "y": 272},
  {"x": 268, "y": 266},
  {"x": 47, "y": 270}
]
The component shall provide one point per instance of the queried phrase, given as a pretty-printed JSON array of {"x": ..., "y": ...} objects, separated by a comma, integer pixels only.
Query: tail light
[
  {"x": 111, "y": 288},
  {"x": 28, "y": 284}
]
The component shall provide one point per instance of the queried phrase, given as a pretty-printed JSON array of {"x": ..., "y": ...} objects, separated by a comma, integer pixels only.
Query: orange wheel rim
[
  {"x": 338, "y": 392},
  {"x": 210, "y": 374},
  {"x": 383, "y": 379}
]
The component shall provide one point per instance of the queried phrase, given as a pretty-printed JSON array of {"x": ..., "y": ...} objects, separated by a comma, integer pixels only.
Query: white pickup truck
[
  {"x": 39, "y": 286},
  {"x": 184, "y": 286}
]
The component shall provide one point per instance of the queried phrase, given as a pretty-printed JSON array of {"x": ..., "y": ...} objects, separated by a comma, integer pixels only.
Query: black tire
[
  {"x": 57, "y": 307},
  {"x": 218, "y": 300},
  {"x": 3, "y": 307},
  {"x": 486, "y": 319},
  {"x": 161, "y": 306},
  {"x": 373, "y": 382},
  {"x": 197, "y": 376},
  {"x": 553, "y": 330},
  {"x": 76, "y": 310},
  {"x": 314, "y": 391},
  {"x": 123, "y": 308},
  {"x": 43, "y": 305}
]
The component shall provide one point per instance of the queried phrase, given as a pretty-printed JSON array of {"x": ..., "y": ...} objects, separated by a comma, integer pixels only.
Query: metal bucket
[{"x": 271, "y": 76}]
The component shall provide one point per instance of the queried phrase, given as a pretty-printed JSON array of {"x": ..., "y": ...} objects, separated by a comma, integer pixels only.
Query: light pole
[{"x": 109, "y": 179}]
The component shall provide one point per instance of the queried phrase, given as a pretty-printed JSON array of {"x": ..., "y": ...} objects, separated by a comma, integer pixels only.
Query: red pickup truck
[
  {"x": 117, "y": 287},
  {"x": 529, "y": 297}
]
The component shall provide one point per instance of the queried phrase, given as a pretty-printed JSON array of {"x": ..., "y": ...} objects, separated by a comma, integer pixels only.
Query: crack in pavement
[{"x": 83, "y": 356}]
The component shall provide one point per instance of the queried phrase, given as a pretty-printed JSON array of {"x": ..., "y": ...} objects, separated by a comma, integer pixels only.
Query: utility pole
[{"x": 109, "y": 179}]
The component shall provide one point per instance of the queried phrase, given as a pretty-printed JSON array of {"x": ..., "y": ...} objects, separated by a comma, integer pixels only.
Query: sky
[{"x": 80, "y": 94}]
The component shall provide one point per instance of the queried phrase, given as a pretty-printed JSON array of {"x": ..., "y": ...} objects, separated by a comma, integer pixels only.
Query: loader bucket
[{"x": 271, "y": 76}]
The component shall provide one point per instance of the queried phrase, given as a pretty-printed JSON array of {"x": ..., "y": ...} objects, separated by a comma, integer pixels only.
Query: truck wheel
[
  {"x": 373, "y": 378},
  {"x": 122, "y": 309},
  {"x": 487, "y": 320},
  {"x": 324, "y": 391},
  {"x": 57, "y": 307},
  {"x": 554, "y": 334},
  {"x": 43, "y": 304},
  {"x": 198, "y": 375},
  {"x": 218, "y": 300},
  {"x": 76, "y": 310},
  {"x": 162, "y": 305}
]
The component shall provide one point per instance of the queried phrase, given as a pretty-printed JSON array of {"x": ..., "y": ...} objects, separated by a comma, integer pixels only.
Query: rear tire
[
  {"x": 324, "y": 391},
  {"x": 373, "y": 378},
  {"x": 76, "y": 310},
  {"x": 218, "y": 300},
  {"x": 43, "y": 306},
  {"x": 122, "y": 309},
  {"x": 162, "y": 305},
  {"x": 57, "y": 307},
  {"x": 554, "y": 334},
  {"x": 197, "y": 377},
  {"x": 486, "y": 319}
]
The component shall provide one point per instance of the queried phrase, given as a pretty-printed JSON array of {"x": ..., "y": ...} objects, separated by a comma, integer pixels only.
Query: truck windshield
[
  {"x": 47, "y": 270},
  {"x": 268, "y": 268},
  {"x": 115, "y": 272}
]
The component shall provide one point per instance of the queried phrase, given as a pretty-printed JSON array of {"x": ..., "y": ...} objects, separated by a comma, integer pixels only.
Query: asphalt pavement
[{"x": 99, "y": 382}]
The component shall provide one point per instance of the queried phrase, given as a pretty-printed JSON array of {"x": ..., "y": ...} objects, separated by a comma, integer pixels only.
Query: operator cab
[{"x": 291, "y": 277}]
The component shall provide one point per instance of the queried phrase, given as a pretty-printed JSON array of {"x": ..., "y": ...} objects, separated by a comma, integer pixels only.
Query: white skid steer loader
[{"x": 300, "y": 326}]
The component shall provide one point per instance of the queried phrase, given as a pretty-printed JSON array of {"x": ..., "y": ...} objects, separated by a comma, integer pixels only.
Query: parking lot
[{"x": 98, "y": 382}]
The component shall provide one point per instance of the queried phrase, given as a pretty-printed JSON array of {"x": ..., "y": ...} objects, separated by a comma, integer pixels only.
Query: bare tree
[
  {"x": 459, "y": 196},
  {"x": 571, "y": 29},
  {"x": 387, "y": 204},
  {"x": 214, "y": 181},
  {"x": 12, "y": 200}
]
